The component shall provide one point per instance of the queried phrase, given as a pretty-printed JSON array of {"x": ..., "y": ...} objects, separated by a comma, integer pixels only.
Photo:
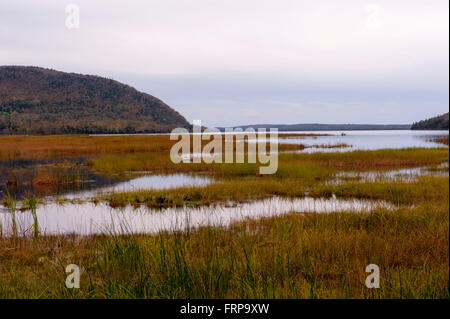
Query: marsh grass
[
  {"x": 30, "y": 202},
  {"x": 11, "y": 203},
  {"x": 425, "y": 188},
  {"x": 113, "y": 164},
  {"x": 59, "y": 174},
  {"x": 292, "y": 256},
  {"x": 383, "y": 159},
  {"x": 53, "y": 146},
  {"x": 442, "y": 140},
  {"x": 439, "y": 168},
  {"x": 298, "y": 255}
]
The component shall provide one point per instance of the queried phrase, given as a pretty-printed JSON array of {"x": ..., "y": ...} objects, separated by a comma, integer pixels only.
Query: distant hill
[
  {"x": 328, "y": 127},
  {"x": 42, "y": 101},
  {"x": 435, "y": 123}
]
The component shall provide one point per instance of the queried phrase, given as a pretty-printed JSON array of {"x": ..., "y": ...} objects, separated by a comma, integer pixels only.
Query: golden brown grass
[
  {"x": 375, "y": 160},
  {"x": 292, "y": 256},
  {"x": 442, "y": 140},
  {"x": 50, "y": 146},
  {"x": 44, "y": 179}
]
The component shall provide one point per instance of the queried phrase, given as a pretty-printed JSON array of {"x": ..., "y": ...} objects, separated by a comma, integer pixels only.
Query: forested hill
[
  {"x": 435, "y": 123},
  {"x": 42, "y": 101}
]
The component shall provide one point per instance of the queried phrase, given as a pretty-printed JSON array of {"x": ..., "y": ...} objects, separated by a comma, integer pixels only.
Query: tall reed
[
  {"x": 31, "y": 203},
  {"x": 11, "y": 203}
]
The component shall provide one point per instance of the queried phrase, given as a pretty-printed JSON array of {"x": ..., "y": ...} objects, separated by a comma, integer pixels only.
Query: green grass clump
[
  {"x": 30, "y": 202},
  {"x": 425, "y": 189},
  {"x": 226, "y": 190}
]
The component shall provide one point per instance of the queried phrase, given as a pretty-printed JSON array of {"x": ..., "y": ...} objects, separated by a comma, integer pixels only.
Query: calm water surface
[
  {"x": 89, "y": 218},
  {"x": 143, "y": 183},
  {"x": 368, "y": 140}
]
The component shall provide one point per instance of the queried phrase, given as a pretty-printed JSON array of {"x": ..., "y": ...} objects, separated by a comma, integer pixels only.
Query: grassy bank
[
  {"x": 426, "y": 188},
  {"x": 293, "y": 256}
]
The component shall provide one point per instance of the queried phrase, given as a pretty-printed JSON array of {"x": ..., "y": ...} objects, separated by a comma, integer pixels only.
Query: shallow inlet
[
  {"x": 89, "y": 218},
  {"x": 143, "y": 183},
  {"x": 17, "y": 176},
  {"x": 78, "y": 181}
]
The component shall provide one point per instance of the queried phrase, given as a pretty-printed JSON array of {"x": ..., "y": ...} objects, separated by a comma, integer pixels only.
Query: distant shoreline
[{"x": 328, "y": 127}]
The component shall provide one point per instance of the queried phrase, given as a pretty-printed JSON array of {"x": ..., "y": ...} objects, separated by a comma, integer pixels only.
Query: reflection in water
[
  {"x": 77, "y": 181},
  {"x": 146, "y": 182},
  {"x": 20, "y": 177},
  {"x": 89, "y": 218},
  {"x": 368, "y": 140}
]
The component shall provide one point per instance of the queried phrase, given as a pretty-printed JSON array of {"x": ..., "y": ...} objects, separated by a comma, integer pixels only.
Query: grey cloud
[{"x": 237, "y": 62}]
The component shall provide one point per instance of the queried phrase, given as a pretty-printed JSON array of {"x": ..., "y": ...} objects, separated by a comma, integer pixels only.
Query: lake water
[
  {"x": 367, "y": 140},
  {"x": 143, "y": 183}
]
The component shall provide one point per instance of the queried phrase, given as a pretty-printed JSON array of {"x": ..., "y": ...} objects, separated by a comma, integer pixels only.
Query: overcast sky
[{"x": 234, "y": 62}]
